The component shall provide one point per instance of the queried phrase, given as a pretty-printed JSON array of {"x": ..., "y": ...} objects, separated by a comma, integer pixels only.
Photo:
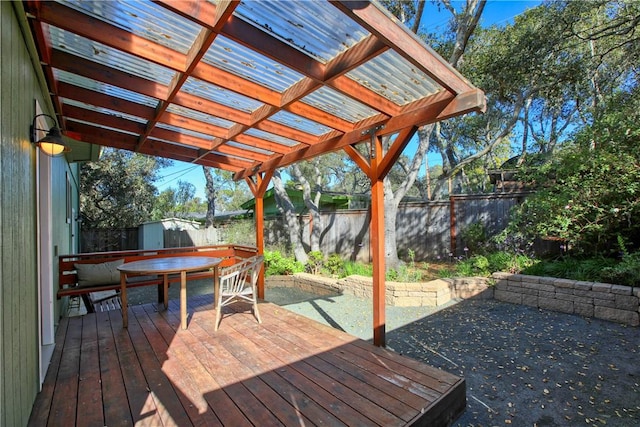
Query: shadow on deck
[{"x": 289, "y": 370}]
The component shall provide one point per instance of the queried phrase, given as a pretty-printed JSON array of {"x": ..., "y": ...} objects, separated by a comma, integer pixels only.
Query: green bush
[
  {"x": 485, "y": 265},
  {"x": 334, "y": 265},
  {"x": 276, "y": 264},
  {"x": 626, "y": 272},
  {"x": 356, "y": 268},
  {"x": 474, "y": 237},
  {"x": 589, "y": 193},
  {"x": 315, "y": 262}
]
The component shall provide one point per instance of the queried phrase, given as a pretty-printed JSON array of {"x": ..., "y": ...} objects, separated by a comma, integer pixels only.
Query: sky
[{"x": 497, "y": 12}]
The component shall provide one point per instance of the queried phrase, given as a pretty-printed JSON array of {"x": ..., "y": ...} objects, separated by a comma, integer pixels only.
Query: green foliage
[
  {"x": 276, "y": 264},
  {"x": 404, "y": 273},
  {"x": 334, "y": 265},
  {"x": 485, "y": 265},
  {"x": 475, "y": 238},
  {"x": 241, "y": 232},
  {"x": 357, "y": 268},
  {"x": 589, "y": 194},
  {"x": 119, "y": 189},
  {"x": 315, "y": 262},
  {"x": 626, "y": 272}
]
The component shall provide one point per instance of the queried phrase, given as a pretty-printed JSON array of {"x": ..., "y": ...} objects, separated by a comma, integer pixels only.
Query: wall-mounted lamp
[{"x": 52, "y": 144}]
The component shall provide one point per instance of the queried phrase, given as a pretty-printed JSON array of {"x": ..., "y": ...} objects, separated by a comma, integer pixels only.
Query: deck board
[{"x": 287, "y": 371}]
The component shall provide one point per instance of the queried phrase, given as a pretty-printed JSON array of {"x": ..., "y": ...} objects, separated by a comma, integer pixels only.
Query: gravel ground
[{"x": 522, "y": 366}]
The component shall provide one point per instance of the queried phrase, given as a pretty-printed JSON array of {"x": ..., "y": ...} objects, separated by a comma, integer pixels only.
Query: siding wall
[{"x": 19, "y": 327}]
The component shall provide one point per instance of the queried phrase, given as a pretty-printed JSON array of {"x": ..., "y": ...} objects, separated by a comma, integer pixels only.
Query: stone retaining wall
[
  {"x": 590, "y": 299},
  {"x": 601, "y": 300},
  {"x": 399, "y": 294}
]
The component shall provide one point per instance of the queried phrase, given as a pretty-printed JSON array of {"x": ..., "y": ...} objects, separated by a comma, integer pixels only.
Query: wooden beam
[
  {"x": 92, "y": 70},
  {"x": 425, "y": 115},
  {"x": 76, "y": 22}
]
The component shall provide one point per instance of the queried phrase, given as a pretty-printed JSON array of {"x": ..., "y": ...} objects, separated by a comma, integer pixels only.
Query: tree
[
  {"x": 118, "y": 190},
  {"x": 288, "y": 211},
  {"x": 463, "y": 23},
  {"x": 223, "y": 192},
  {"x": 589, "y": 194}
]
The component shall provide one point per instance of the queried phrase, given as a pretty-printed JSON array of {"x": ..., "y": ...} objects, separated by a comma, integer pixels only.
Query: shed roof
[{"x": 242, "y": 86}]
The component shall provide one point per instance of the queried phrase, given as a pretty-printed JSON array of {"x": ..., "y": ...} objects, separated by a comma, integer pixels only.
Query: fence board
[{"x": 426, "y": 228}]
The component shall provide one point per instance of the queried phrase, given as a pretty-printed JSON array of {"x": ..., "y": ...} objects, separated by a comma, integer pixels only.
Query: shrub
[
  {"x": 334, "y": 265},
  {"x": 485, "y": 265},
  {"x": 356, "y": 268},
  {"x": 474, "y": 237},
  {"x": 626, "y": 272},
  {"x": 276, "y": 264},
  {"x": 314, "y": 262}
]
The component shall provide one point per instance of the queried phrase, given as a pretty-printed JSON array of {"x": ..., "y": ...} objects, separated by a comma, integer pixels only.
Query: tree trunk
[
  {"x": 287, "y": 209},
  {"x": 210, "y": 190},
  {"x": 312, "y": 204}
]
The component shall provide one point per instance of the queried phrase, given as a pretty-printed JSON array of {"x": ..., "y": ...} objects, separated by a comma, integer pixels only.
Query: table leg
[
  {"x": 165, "y": 290},
  {"x": 216, "y": 287},
  {"x": 183, "y": 299},
  {"x": 123, "y": 299}
]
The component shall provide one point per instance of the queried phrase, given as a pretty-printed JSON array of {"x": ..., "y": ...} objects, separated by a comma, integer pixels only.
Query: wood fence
[{"x": 428, "y": 229}]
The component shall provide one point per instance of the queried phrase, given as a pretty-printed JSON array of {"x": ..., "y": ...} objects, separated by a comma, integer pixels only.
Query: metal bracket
[{"x": 372, "y": 138}]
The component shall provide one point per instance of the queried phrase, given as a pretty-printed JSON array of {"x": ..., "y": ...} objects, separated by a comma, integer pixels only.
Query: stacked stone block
[{"x": 590, "y": 299}]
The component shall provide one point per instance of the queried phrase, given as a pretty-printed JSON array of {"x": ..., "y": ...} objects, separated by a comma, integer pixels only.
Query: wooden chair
[{"x": 238, "y": 283}]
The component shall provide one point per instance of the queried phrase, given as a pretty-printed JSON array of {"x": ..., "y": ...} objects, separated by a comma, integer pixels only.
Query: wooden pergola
[{"x": 247, "y": 87}]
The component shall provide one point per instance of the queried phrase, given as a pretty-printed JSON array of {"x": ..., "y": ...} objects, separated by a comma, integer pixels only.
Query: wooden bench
[{"x": 69, "y": 282}]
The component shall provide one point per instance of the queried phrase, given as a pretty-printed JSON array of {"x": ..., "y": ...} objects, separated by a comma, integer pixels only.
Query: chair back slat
[{"x": 239, "y": 281}]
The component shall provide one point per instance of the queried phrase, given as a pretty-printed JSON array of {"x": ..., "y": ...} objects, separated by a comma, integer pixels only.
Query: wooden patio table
[{"x": 166, "y": 266}]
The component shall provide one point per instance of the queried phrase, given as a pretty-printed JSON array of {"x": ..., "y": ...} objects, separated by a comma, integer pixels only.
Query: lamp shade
[{"x": 53, "y": 144}]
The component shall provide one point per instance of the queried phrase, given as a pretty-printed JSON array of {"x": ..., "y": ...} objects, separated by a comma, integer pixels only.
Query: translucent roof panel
[
  {"x": 105, "y": 55},
  {"x": 304, "y": 25},
  {"x": 102, "y": 110},
  {"x": 276, "y": 75},
  {"x": 220, "y": 95},
  {"x": 249, "y": 148},
  {"x": 298, "y": 122},
  {"x": 271, "y": 137},
  {"x": 333, "y": 102},
  {"x": 391, "y": 76},
  {"x": 184, "y": 131},
  {"x": 107, "y": 89},
  {"x": 197, "y": 115},
  {"x": 144, "y": 19},
  {"x": 244, "y": 62},
  {"x": 101, "y": 126}
]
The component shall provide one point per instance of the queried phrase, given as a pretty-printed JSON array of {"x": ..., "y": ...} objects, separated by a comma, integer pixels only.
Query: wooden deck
[{"x": 288, "y": 371}]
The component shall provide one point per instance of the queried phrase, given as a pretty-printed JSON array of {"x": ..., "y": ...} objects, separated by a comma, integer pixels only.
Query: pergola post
[
  {"x": 259, "y": 187},
  {"x": 377, "y": 166},
  {"x": 376, "y": 231}
]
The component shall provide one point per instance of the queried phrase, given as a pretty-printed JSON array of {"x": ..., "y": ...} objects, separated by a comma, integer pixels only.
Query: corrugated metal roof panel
[
  {"x": 271, "y": 137},
  {"x": 100, "y": 87},
  {"x": 298, "y": 122},
  {"x": 249, "y": 148},
  {"x": 103, "y": 110},
  {"x": 105, "y": 55},
  {"x": 304, "y": 25},
  {"x": 184, "y": 131},
  {"x": 393, "y": 77},
  {"x": 333, "y": 102},
  {"x": 220, "y": 95},
  {"x": 144, "y": 19},
  {"x": 242, "y": 61},
  {"x": 197, "y": 115}
]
